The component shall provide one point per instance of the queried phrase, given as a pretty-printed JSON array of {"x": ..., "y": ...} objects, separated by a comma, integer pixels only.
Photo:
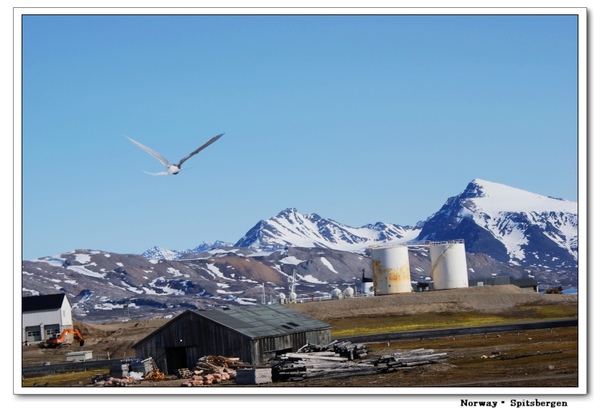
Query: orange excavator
[{"x": 63, "y": 339}]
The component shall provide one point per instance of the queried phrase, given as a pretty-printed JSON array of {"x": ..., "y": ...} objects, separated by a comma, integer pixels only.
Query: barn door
[{"x": 176, "y": 359}]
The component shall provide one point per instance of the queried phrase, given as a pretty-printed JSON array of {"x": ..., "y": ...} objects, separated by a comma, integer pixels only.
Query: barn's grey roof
[{"x": 264, "y": 320}]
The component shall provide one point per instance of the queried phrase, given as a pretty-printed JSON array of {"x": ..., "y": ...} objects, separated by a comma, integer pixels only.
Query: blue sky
[{"x": 356, "y": 118}]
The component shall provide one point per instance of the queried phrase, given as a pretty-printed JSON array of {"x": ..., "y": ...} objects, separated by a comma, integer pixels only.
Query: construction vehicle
[{"x": 63, "y": 339}]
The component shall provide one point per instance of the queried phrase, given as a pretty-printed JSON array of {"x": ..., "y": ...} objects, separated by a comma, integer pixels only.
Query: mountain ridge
[
  {"x": 537, "y": 231},
  {"x": 492, "y": 218},
  {"x": 315, "y": 256}
]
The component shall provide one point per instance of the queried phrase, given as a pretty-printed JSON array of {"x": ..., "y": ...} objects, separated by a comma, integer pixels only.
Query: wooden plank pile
[
  {"x": 314, "y": 362},
  {"x": 211, "y": 370},
  {"x": 342, "y": 348}
]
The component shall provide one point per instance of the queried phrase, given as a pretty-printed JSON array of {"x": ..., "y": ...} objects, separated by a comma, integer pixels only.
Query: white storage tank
[
  {"x": 391, "y": 270},
  {"x": 449, "y": 264},
  {"x": 336, "y": 294}
]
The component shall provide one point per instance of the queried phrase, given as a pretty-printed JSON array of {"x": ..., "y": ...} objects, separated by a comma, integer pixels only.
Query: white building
[{"x": 45, "y": 316}]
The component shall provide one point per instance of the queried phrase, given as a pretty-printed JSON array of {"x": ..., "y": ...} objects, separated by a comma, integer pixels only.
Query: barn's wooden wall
[{"x": 200, "y": 336}]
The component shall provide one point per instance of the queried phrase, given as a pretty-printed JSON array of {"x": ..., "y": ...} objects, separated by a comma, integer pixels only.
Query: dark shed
[
  {"x": 253, "y": 334},
  {"x": 505, "y": 280}
]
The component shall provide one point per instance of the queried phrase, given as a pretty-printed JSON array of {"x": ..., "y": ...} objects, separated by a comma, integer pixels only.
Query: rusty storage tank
[
  {"x": 448, "y": 264},
  {"x": 391, "y": 270}
]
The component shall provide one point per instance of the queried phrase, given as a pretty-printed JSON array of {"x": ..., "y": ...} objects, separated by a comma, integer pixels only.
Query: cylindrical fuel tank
[
  {"x": 449, "y": 265},
  {"x": 391, "y": 270}
]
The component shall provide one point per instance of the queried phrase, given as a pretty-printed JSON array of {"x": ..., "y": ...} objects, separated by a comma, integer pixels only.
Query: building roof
[
  {"x": 43, "y": 302},
  {"x": 256, "y": 321},
  {"x": 264, "y": 320}
]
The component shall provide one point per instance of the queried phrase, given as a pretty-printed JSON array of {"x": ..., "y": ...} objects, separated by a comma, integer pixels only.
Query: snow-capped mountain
[
  {"x": 160, "y": 253},
  {"x": 509, "y": 224},
  {"x": 290, "y": 228},
  {"x": 507, "y": 232}
]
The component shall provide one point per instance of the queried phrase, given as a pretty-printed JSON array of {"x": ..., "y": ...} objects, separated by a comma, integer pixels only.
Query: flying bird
[{"x": 173, "y": 168}]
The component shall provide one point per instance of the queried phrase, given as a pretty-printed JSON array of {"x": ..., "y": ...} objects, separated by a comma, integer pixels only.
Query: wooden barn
[{"x": 252, "y": 333}]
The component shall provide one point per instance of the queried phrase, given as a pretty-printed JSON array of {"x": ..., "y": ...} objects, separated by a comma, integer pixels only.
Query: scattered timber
[
  {"x": 530, "y": 355},
  {"x": 129, "y": 372},
  {"x": 211, "y": 370},
  {"x": 346, "y": 349},
  {"x": 344, "y": 359}
]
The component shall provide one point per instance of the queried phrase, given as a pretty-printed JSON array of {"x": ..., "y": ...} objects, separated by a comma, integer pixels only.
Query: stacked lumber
[
  {"x": 211, "y": 370},
  {"x": 330, "y": 364},
  {"x": 206, "y": 379},
  {"x": 299, "y": 367},
  {"x": 343, "y": 348}
]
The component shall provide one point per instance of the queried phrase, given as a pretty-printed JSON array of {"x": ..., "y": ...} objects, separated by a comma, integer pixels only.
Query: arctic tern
[{"x": 173, "y": 169}]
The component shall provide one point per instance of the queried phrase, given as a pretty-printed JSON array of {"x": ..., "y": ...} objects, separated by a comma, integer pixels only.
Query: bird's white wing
[
  {"x": 212, "y": 140},
  {"x": 166, "y": 172},
  {"x": 151, "y": 152}
]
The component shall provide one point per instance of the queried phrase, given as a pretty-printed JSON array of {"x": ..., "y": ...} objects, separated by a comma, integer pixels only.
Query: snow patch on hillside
[{"x": 327, "y": 264}]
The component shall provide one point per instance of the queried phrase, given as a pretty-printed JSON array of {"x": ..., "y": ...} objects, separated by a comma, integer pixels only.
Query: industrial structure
[
  {"x": 45, "y": 317},
  {"x": 528, "y": 283},
  {"x": 391, "y": 270},
  {"x": 367, "y": 289},
  {"x": 448, "y": 264},
  {"x": 251, "y": 333},
  {"x": 391, "y": 267}
]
